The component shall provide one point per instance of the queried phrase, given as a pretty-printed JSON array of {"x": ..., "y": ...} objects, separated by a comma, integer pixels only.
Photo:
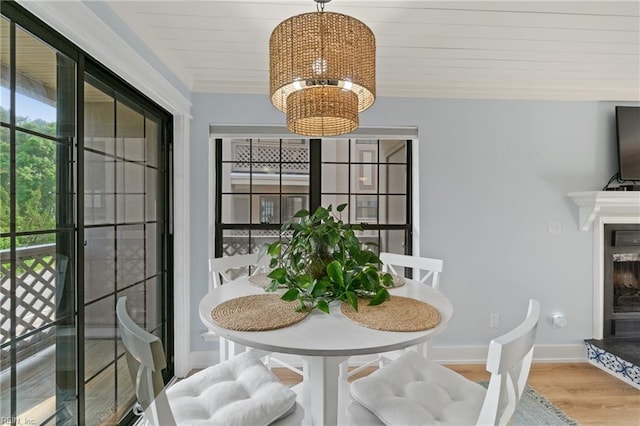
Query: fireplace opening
[
  {"x": 622, "y": 281},
  {"x": 626, "y": 282}
]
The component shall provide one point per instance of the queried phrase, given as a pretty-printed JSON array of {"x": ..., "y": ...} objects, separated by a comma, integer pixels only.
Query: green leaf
[
  {"x": 273, "y": 286},
  {"x": 380, "y": 297},
  {"x": 274, "y": 249},
  {"x": 387, "y": 280},
  {"x": 321, "y": 213},
  {"x": 290, "y": 295},
  {"x": 302, "y": 213},
  {"x": 334, "y": 270},
  {"x": 277, "y": 273},
  {"x": 323, "y": 306},
  {"x": 333, "y": 237},
  {"x": 353, "y": 300},
  {"x": 341, "y": 207},
  {"x": 319, "y": 289},
  {"x": 372, "y": 277},
  {"x": 304, "y": 281}
]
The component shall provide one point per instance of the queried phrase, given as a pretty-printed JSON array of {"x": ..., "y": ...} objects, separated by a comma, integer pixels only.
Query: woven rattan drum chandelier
[{"x": 322, "y": 71}]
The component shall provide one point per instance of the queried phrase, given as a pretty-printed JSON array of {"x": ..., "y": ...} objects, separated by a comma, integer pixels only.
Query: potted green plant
[{"x": 319, "y": 259}]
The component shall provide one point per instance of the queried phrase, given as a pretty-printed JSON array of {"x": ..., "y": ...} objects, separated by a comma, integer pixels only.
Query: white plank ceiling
[{"x": 573, "y": 50}]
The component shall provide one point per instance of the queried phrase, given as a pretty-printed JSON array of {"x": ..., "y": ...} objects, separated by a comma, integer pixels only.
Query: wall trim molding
[
  {"x": 220, "y": 130},
  {"x": 78, "y": 23}
]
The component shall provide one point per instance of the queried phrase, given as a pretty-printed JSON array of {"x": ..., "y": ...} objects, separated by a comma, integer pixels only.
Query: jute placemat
[
  {"x": 397, "y": 314},
  {"x": 260, "y": 280},
  {"x": 258, "y": 312}
]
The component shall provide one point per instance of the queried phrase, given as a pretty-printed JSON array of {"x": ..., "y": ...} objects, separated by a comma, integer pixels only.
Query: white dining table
[{"x": 325, "y": 340}]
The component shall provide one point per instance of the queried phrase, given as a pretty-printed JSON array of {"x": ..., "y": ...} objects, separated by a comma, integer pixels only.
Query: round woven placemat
[
  {"x": 258, "y": 312},
  {"x": 260, "y": 280},
  {"x": 396, "y": 314}
]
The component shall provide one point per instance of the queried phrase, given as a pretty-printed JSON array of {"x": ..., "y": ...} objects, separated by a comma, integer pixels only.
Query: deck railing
[
  {"x": 35, "y": 292},
  {"x": 294, "y": 158}
]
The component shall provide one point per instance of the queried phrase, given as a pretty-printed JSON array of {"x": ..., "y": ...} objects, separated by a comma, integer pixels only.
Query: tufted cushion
[
  {"x": 240, "y": 391},
  {"x": 414, "y": 391}
]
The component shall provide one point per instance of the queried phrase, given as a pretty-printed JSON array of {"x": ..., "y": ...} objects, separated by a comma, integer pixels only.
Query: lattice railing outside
[
  {"x": 35, "y": 290},
  {"x": 295, "y": 158},
  {"x": 233, "y": 245}
]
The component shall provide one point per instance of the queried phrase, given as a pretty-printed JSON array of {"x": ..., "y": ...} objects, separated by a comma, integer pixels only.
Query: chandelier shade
[{"x": 322, "y": 70}]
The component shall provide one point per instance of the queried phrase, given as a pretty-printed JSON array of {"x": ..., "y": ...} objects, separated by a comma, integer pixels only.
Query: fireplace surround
[{"x": 597, "y": 209}]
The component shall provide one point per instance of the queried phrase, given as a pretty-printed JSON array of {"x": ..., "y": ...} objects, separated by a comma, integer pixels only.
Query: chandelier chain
[{"x": 320, "y": 5}]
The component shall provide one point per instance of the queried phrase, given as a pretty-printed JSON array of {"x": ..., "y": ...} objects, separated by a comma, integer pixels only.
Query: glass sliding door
[
  {"x": 123, "y": 224},
  {"x": 84, "y": 201},
  {"x": 37, "y": 230}
]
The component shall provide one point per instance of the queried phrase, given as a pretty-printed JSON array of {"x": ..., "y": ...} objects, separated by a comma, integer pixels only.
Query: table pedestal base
[{"x": 322, "y": 393}]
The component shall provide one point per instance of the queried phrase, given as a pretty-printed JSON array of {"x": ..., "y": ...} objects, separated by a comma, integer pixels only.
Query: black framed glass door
[{"x": 84, "y": 201}]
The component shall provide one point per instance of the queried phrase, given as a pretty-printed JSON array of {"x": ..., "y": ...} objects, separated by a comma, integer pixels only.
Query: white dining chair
[
  {"x": 240, "y": 391},
  {"x": 224, "y": 270},
  {"x": 415, "y": 391},
  {"x": 426, "y": 271}
]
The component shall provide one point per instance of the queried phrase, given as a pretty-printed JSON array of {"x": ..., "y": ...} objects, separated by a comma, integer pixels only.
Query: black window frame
[{"x": 315, "y": 197}]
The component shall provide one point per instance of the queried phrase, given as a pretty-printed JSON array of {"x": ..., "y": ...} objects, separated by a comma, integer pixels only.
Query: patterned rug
[{"x": 535, "y": 409}]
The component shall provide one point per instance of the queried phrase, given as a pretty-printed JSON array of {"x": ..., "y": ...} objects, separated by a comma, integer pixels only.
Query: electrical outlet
[
  {"x": 559, "y": 321},
  {"x": 494, "y": 320}
]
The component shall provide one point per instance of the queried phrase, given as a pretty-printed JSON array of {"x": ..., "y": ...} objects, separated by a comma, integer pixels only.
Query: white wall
[{"x": 492, "y": 175}]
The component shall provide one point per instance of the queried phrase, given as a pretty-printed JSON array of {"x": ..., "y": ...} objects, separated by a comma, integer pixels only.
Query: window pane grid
[
  {"x": 362, "y": 180},
  {"x": 376, "y": 173}
]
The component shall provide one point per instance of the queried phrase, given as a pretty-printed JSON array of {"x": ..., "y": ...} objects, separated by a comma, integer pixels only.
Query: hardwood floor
[{"x": 582, "y": 391}]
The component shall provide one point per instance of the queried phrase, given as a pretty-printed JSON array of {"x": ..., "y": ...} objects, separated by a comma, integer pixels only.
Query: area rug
[{"x": 535, "y": 410}]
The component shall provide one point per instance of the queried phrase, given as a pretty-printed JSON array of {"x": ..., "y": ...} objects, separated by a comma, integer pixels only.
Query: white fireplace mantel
[
  {"x": 598, "y": 208},
  {"x": 614, "y": 204}
]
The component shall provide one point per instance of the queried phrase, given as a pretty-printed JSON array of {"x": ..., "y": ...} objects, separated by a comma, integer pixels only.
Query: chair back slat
[
  {"x": 427, "y": 268},
  {"x": 219, "y": 267},
  {"x": 509, "y": 362},
  {"x": 145, "y": 361}
]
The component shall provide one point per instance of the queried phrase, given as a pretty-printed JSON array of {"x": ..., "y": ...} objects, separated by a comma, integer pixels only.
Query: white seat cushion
[
  {"x": 415, "y": 391},
  {"x": 240, "y": 391}
]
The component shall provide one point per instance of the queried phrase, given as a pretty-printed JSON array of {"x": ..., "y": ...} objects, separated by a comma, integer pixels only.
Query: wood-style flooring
[{"x": 584, "y": 392}]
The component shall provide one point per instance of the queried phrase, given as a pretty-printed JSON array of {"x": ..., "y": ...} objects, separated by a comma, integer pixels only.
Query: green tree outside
[{"x": 35, "y": 181}]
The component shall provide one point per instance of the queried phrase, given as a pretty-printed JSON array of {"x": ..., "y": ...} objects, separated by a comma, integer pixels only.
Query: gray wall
[{"x": 492, "y": 175}]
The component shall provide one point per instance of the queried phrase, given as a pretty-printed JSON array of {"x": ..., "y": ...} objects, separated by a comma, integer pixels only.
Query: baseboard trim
[
  {"x": 441, "y": 354},
  {"x": 203, "y": 359}
]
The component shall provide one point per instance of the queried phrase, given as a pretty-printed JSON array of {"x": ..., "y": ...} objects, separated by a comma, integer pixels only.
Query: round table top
[{"x": 322, "y": 334}]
